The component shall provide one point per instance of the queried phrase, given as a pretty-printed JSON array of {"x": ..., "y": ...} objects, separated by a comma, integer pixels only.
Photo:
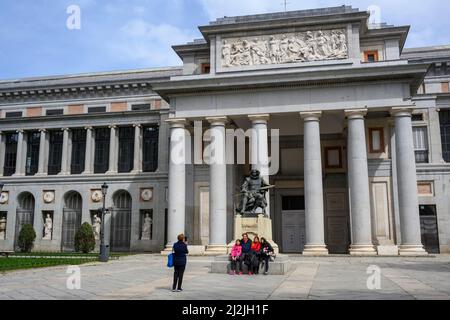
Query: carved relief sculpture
[
  {"x": 290, "y": 48},
  {"x": 48, "y": 227},
  {"x": 96, "y": 195},
  {"x": 49, "y": 196},
  {"x": 146, "y": 194},
  {"x": 4, "y": 198},
  {"x": 2, "y": 228}
]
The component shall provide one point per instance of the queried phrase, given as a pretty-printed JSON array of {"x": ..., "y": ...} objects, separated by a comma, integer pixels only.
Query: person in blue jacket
[
  {"x": 180, "y": 250},
  {"x": 246, "y": 245}
]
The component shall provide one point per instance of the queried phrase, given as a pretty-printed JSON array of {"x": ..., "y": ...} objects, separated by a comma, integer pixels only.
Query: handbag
[{"x": 170, "y": 261}]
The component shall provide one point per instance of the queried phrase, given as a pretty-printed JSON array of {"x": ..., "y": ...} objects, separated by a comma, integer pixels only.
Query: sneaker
[
  {"x": 266, "y": 273},
  {"x": 173, "y": 290},
  {"x": 241, "y": 273},
  {"x": 232, "y": 273},
  {"x": 180, "y": 290},
  {"x": 250, "y": 273}
]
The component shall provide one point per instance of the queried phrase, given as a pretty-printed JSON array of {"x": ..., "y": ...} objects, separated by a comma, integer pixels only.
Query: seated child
[{"x": 236, "y": 263}]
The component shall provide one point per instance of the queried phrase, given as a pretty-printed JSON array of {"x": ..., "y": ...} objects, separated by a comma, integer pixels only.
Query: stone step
[{"x": 280, "y": 266}]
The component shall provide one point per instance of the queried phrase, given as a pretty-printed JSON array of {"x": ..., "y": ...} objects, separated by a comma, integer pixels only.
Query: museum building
[{"x": 363, "y": 141}]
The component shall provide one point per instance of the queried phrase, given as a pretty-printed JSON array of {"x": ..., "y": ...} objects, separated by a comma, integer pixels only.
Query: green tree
[
  {"x": 85, "y": 239},
  {"x": 27, "y": 236}
]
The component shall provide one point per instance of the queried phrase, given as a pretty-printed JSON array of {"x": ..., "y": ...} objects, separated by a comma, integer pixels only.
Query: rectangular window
[
  {"x": 18, "y": 114},
  {"x": 376, "y": 140},
  {"x": 55, "y": 152},
  {"x": 141, "y": 107},
  {"x": 96, "y": 109},
  {"x": 101, "y": 161},
  {"x": 206, "y": 68},
  {"x": 54, "y": 112},
  {"x": 420, "y": 135},
  {"x": 32, "y": 160},
  {"x": 445, "y": 87},
  {"x": 444, "y": 117},
  {"x": 78, "y": 151},
  {"x": 150, "y": 149},
  {"x": 417, "y": 117},
  {"x": 333, "y": 158},
  {"x": 371, "y": 56},
  {"x": 10, "y": 154},
  {"x": 126, "y": 149}
]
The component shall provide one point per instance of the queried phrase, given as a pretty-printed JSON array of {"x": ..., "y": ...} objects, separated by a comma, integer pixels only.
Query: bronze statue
[{"x": 253, "y": 192}]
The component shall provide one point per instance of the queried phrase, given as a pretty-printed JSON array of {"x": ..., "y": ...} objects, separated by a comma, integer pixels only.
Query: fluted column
[
  {"x": 218, "y": 187},
  {"x": 88, "y": 163},
  {"x": 177, "y": 181},
  {"x": 314, "y": 212},
  {"x": 260, "y": 149},
  {"x": 113, "y": 150},
  {"x": 137, "y": 165},
  {"x": 358, "y": 182},
  {"x": 42, "y": 168},
  {"x": 65, "y": 167},
  {"x": 21, "y": 154},
  {"x": 411, "y": 242},
  {"x": 2, "y": 152}
]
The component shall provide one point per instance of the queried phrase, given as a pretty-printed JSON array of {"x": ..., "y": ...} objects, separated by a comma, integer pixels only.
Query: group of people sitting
[{"x": 252, "y": 254}]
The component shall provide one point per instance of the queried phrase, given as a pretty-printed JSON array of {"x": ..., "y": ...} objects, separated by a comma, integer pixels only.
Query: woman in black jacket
[
  {"x": 180, "y": 250},
  {"x": 266, "y": 250}
]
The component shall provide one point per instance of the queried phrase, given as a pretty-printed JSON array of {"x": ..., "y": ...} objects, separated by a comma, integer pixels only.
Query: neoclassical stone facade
[{"x": 363, "y": 138}]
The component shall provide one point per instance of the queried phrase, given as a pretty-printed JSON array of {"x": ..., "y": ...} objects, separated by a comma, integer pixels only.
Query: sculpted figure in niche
[
  {"x": 146, "y": 227},
  {"x": 48, "y": 226},
  {"x": 323, "y": 43},
  {"x": 2, "y": 228},
  {"x": 96, "y": 225}
]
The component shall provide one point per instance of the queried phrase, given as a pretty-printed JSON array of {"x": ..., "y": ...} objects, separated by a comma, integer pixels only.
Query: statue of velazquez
[{"x": 253, "y": 195}]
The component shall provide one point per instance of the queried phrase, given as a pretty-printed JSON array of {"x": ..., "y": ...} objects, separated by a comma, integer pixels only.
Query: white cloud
[{"x": 149, "y": 44}]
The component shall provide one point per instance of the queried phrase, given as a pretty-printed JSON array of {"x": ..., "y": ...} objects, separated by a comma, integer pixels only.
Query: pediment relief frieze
[{"x": 284, "y": 48}]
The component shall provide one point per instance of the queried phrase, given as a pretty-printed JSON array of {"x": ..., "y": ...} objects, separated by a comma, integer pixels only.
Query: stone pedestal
[{"x": 260, "y": 226}]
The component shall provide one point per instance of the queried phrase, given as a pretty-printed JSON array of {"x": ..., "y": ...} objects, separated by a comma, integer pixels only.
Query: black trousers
[
  {"x": 266, "y": 258},
  {"x": 178, "y": 277},
  {"x": 236, "y": 265}
]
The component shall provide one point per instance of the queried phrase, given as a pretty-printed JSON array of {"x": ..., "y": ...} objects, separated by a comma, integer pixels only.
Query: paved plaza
[{"x": 147, "y": 277}]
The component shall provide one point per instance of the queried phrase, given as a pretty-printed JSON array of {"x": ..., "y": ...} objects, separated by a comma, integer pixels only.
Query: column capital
[
  {"x": 20, "y": 131},
  {"x": 217, "y": 121},
  {"x": 177, "y": 122},
  {"x": 65, "y": 129},
  {"x": 259, "y": 118},
  {"x": 113, "y": 126},
  {"x": 88, "y": 128},
  {"x": 311, "y": 115},
  {"x": 402, "y": 111},
  {"x": 356, "y": 113},
  {"x": 43, "y": 130},
  {"x": 137, "y": 125}
]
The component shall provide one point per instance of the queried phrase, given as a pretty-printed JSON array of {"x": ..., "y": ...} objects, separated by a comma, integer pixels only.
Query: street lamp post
[{"x": 104, "y": 249}]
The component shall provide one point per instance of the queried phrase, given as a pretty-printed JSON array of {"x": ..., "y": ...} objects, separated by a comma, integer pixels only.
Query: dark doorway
[
  {"x": 121, "y": 222},
  {"x": 25, "y": 215},
  {"x": 71, "y": 220},
  {"x": 429, "y": 228}
]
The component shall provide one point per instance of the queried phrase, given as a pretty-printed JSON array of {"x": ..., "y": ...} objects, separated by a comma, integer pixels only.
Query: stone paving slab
[{"x": 145, "y": 277}]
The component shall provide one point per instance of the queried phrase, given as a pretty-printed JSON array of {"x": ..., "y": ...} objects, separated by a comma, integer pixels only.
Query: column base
[
  {"x": 167, "y": 250},
  {"x": 315, "y": 250},
  {"x": 387, "y": 250},
  {"x": 216, "y": 250},
  {"x": 412, "y": 250},
  {"x": 363, "y": 250},
  {"x": 111, "y": 172}
]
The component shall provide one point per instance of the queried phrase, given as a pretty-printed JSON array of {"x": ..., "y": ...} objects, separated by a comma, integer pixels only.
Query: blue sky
[{"x": 133, "y": 34}]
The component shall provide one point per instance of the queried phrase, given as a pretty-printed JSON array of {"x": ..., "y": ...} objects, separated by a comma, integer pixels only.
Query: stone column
[
  {"x": 65, "y": 167},
  {"x": 113, "y": 150},
  {"x": 411, "y": 242},
  {"x": 21, "y": 154},
  {"x": 2, "y": 152},
  {"x": 314, "y": 214},
  {"x": 137, "y": 166},
  {"x": 88, "y": 163},
  {"x": 218, "y": 188},
  {"x": 358, "y": 182},
  {"x": 177, "y": 181},
  {"x": 260, "y": 149},
  {"x": 42, "y": 168}
]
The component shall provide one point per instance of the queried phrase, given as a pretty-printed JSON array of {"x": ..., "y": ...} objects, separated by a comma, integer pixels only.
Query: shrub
[
  {"x": 26, "y": 238},
  {"x": 85, "y": 239}
]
